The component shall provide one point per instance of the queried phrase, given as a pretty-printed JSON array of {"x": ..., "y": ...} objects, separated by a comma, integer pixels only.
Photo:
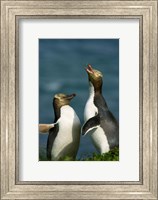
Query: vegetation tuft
[{"x": 112, "y": 155}]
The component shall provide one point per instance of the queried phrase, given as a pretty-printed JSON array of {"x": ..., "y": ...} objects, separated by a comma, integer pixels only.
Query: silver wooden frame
[{"x": 146, "y": 12}]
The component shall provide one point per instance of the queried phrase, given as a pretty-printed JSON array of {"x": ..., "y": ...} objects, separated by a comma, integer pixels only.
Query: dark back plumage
[{"x": 107, "y": 121}]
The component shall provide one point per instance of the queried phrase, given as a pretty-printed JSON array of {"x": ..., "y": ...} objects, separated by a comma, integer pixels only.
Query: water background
[{"x": 61, "y": 70}]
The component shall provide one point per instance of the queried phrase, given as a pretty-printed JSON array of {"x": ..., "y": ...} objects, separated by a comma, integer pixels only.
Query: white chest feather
[
  {"x": 90, "y": 108},
  {"x": 68, "y": 118},
  {"x": 100, "y": 140},
  {"x": 68, "y": 137}
]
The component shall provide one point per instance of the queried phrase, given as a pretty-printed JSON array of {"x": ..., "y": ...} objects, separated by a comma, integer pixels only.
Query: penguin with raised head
[
  {"x": 100, "y": 123},
  {"x": 64, "y": 135}
]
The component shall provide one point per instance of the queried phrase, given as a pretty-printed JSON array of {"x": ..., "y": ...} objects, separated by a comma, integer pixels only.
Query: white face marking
[{"x": 90, "y": 109}]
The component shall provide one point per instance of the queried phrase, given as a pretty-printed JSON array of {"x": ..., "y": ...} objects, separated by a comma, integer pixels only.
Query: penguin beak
[
  {"x": 71, "y": 96},
  {"x": 89, "y": 69}
]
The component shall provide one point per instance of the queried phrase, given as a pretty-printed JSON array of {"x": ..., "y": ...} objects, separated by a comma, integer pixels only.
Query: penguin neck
[
  {"x": 62, "y": 110},
  {"x": 93, "y": 91},
  {"x": 57, "y": 112}
]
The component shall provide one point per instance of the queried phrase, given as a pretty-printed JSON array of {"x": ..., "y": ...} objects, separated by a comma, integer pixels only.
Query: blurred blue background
[{"x": 61, "y": 70}]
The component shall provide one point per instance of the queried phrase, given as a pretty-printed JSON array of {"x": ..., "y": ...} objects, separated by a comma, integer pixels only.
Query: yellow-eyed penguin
[
  {"x": 64, "y": 136},
  {"x": 99, "y": 121}
]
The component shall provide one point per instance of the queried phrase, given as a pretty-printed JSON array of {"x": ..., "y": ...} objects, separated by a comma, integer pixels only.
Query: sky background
[{"x": 61, "y": 70}]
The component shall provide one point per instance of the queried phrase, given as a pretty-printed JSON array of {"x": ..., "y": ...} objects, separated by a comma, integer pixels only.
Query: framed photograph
[
  {"x": 66, "y": 76},
  {"x": 78, "y": 99}
]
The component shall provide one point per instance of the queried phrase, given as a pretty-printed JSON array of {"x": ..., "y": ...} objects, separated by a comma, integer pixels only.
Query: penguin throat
[
  {"x": 56, "y": 112},
  {"x": 93, "y": 90}
]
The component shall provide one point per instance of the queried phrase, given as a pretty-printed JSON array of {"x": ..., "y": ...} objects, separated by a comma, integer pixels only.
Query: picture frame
[{"x": 11, "y": 12}]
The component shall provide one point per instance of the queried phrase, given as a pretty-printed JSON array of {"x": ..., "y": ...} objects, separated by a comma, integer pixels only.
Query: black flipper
[{"x": 92, "y": 123}]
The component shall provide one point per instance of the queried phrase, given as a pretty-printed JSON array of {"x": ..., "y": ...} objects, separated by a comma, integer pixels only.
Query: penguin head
[
  {"x": 62, "y": 99},
  {"x": 95, "y": 77}
]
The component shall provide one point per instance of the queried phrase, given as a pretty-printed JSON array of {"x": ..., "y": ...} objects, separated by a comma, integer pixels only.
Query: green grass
[{"x": 112, "y": 155}]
